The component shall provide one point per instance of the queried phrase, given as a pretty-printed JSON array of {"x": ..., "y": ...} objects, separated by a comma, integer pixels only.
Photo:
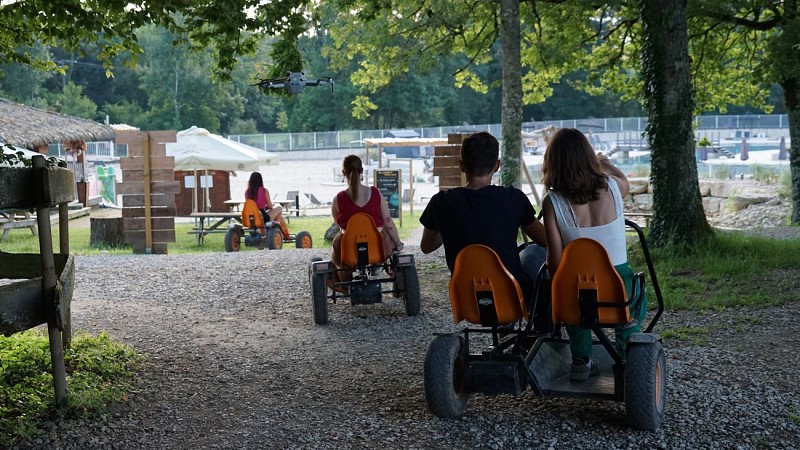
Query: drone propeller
[{"x": 293, "y": 83}]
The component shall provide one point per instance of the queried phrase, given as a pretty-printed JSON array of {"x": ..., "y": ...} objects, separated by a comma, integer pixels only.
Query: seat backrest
[
  {"x": 482, "y": 290},
  {"x": 250, "y": 209},
  {"x": 313, "y": 199},
  {"x": 586, "y": 275},
  {"x": 292, "y": 195},
  {"x": 362, "y": 243}
]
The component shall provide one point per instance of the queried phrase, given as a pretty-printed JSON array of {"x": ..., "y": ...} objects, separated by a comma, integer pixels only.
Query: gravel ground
[{"x": 235, "y": 361}]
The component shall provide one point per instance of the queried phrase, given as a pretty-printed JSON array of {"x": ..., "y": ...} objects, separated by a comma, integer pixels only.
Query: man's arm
[
  {"x": 535, "y": 231},
  {"x": 431, "y": 240}
]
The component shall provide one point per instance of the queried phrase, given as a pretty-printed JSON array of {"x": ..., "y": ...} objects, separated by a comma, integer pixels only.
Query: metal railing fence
[{"x": 627, "y": 126}]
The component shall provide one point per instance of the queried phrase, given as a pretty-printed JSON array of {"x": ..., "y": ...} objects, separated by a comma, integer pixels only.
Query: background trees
[{"x": 404, "y": 63}]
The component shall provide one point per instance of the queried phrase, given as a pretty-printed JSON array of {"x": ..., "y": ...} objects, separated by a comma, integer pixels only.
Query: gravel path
[{"x": 234, "y": 361}]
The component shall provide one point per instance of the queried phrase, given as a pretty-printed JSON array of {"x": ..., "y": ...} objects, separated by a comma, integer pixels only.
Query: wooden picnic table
[
  {"x": 210, "y": 222},
  {"x": 12, "y": 219},
  {"x": 287, "y": 205}
]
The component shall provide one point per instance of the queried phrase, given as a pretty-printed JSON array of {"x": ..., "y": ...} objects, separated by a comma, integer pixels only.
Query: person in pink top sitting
[
  {"x": 271, "y": 212},
  {"x": 361, "y": 198}
]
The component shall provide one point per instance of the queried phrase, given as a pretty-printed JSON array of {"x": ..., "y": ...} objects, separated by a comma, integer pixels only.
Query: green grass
[
  {"x": 99, "y": 371},
  {"x": 22, "y": 241},
  {"x": 730, "y": 270},
  {"x": 694, "y": 335},
  {"x": 795, "y": 416}
]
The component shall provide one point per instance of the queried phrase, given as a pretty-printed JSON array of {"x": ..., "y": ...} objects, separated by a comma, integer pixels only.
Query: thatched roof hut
[{"x": 25, "y": 126}]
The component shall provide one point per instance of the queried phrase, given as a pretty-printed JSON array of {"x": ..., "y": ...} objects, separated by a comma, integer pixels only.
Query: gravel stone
[{"x": 234, "y": 361}]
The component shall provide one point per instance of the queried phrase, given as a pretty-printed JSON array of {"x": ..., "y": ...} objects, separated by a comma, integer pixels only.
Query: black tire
[
  {"x": 313, "y": 260},
  {"x": 274, "y": 238},
  {"x": 303, "y": 240},
  {"x": 445, "y": 377},
  {"x": 319, "y": 298},
  {"x": 397, "y": 285},
  {"x": 410, "y": 286},
  {"x": 233, "y": 239},
  {"x": 645, "y": 386}
]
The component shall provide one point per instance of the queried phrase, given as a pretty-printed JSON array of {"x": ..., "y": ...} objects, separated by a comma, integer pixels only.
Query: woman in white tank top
[{"x": 585, "y": 199}]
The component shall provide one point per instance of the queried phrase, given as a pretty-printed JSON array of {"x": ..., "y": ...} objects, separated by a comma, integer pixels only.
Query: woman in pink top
[
  {"x": 361, "y": 198},
  {"x": 257, "y": 191}
]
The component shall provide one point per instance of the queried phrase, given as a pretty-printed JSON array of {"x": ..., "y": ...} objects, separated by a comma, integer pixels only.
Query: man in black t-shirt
[{"x": 482, "y": 213}]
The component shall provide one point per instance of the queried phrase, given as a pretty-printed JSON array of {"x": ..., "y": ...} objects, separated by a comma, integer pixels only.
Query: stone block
[
  {"x": 741, "y": 202},
  {"x": 722, "y": 189},
  {"x": 705, "y": 188},
  {"x": 638, "y": 185},
  {"x": 643, "y": 201},
  {"x": 713, "y": 205}
]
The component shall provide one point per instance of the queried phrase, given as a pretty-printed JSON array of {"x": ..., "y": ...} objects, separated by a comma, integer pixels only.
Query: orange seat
[
  {"x": 250, "y": 210},
  {"x": 586, "y": 274},
  {"x": 481, "y": 289},
  {"x": 362, "y": 243}
]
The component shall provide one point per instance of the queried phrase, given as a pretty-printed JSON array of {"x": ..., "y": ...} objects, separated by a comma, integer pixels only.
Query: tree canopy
[{"x": 231, "y": 27}]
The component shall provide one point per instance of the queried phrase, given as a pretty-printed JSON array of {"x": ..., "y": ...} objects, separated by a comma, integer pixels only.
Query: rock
[
  {"x": 741, "y": 202},
  {"x": 638, "y": 185}
]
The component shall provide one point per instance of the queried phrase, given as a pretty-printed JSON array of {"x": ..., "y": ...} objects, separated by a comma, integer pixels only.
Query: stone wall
[{"x": 719, "y": 196}]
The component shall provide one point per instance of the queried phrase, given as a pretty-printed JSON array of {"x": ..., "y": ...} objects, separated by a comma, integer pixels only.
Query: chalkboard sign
[{"x": 389, "y": 181}]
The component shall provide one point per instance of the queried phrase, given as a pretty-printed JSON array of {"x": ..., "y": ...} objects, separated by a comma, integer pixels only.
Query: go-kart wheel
[
  {"x": 319, "y": 297},
  {"x": 445, "y": 376},
  {"x": 233, "y": 239},
  {"x": 303, "y": 239},
  {"x": 410, "y": 286},
  {"x": 645, "y": 385},
  {"x": 274, "y": 238},
  {"x": 310, "y": 271}
]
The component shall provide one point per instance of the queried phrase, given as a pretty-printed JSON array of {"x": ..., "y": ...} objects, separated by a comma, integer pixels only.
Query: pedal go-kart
[
  {"x": 256, "y": 233},
  {"x": 363, "y": 254},
  {"x": 585, "y": 291}
]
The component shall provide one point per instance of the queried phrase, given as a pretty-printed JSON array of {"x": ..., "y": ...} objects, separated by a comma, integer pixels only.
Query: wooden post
[
  {"x": 148, "y": 191},
  {"x": 48, "y": 292},
  {"x": 148, "y": 226},
  {"x": 63, "y": 244},
  {"x": 527, "y": 174}
]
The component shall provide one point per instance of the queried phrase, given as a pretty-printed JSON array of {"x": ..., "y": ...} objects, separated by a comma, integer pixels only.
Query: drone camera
[{"x": 293, "y": 83}]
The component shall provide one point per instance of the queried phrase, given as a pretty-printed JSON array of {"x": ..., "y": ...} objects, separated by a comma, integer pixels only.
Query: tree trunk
[
  {"x": 107, "y": 231},
  {"x": 678, "y": 215},
  {"x": 512, "y": 92},
  {"x": 791, "y": 93}
]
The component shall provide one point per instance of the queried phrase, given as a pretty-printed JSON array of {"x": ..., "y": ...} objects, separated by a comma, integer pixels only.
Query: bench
[
  {"x": 215, "y": 221},
  {"x": 10, "y": 220}
]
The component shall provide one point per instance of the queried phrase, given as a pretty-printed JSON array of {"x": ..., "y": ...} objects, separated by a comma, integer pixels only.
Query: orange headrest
[
  {"x": 361, "y": 231},
  {"x": 250, "y": 209},
  {"x": 479, "y": 273},
  {"x": 585, "y": 265}
]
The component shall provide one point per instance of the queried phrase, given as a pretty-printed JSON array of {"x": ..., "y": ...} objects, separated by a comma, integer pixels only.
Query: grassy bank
[
  {"x": 730, "y": 270},
  {"x": 99, "y": 371}
]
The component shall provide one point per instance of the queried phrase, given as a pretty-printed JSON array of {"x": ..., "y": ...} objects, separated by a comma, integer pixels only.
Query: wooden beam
[
  {"x": 24, "y": 188},
  {"x": 155, "y": 187},
  {"x": 147, "y": 237},
  {"x": 159, "y": 223},
  {"x": 132, "y": 200},
  {"x": 165, "y": 211},
  {"x": 156, "y": 174},
  {"x": 156, "y": 162}
]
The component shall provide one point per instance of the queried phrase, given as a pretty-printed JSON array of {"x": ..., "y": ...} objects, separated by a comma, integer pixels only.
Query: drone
[{"x": 293, "y": 83}]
